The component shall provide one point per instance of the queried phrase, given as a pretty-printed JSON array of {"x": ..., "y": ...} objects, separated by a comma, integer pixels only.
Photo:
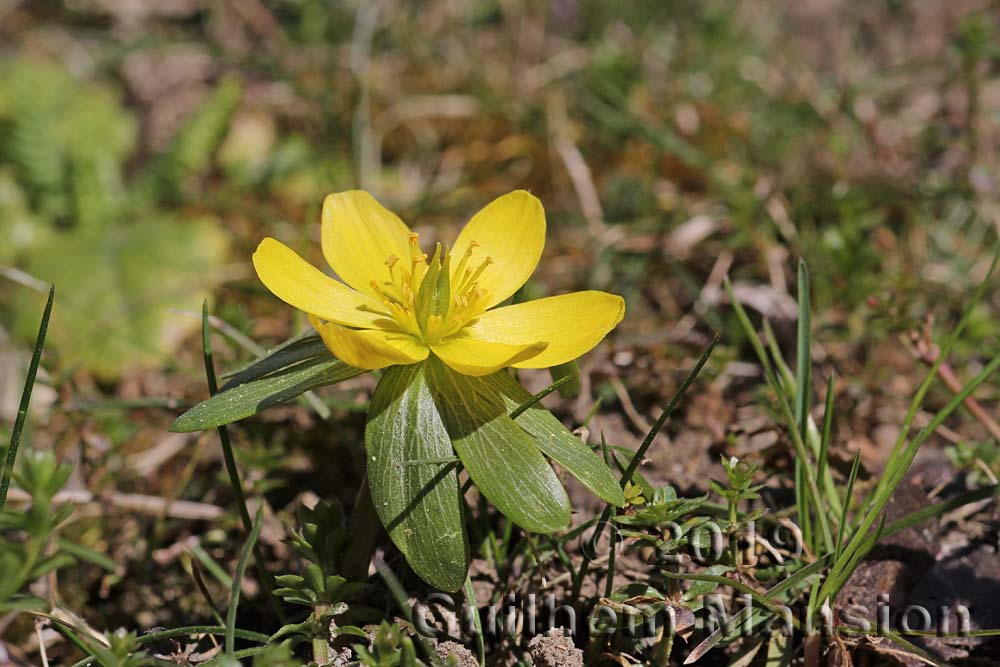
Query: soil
[{"x": 554, "y": 652}]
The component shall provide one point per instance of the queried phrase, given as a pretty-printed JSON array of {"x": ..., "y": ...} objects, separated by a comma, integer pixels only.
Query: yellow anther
[
  {"x": 414, "y": 243},
  {"x": 390, "y": 261}
]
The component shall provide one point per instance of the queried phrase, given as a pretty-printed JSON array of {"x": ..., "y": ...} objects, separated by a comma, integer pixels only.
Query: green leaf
[
  {"x": 503, "y": 460},
  {"x": 87, "y": 554},
  {"x": 17, "y": 604},
  {"x": 351, "y": 630},
  {"x": 7, "y": 463},
  {"x": 420, "y": 506},
  {"x": 558, "y": 443},
  {"x": 570, "y": 369},
  {"x": 251, "y": 397},
  {"x": 307, "y": 345}
]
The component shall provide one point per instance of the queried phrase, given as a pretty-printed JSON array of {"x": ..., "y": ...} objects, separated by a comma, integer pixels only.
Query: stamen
[
  {"x": 482, "y": 267},
  {"x": 460, "y": 269},
  {"x": 379, "y": 290},
  {"x": 399, "y": 292}
]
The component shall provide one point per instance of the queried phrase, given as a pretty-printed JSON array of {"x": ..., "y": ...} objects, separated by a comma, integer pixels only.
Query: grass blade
[
  {"x": 899, "y": 466},
  {"x": 637, "y": 457},
  {"x": 813, "y": 437},
  {"x": 797, "y": 441},
  {"x": 561, "y": 382},
  {"x": 847, "y": 563},
  {"x": 912, "y": 648},
  {"x": 241, "y": 567},
  {"x": 609, "y": 584},
  {"x": 925, "y": 513},
  {"x": 640, "y": 453},
  {"x": 949, "y": 343},
  {"x": 841, "y": 527},
  {"x": 235, "y": 482},
  {"x": 803, "y": 359},
  {"x": 470, "y": 598},
  {"x": 824, "y": 443},
  {"x": 401, "y": 598},
  {"x": 22, "y": 410}
]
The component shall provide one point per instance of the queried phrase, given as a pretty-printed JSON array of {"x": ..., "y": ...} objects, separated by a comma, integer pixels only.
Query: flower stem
[{"x": 321, "y": 643}]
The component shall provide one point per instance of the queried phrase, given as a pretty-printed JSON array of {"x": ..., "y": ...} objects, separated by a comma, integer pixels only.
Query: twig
[
  {"x": 574, "y": 162},
  {"x": 41, "y": 643},
  {"x": 367, "y": 158},
  {"x": 928, "y": 353},
  {"x": 188, "y": 510},
  {"x": 628, "y": 406}
]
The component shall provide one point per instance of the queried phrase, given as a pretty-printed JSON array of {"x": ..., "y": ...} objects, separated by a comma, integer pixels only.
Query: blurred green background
[{"x": 145, "y": 148}]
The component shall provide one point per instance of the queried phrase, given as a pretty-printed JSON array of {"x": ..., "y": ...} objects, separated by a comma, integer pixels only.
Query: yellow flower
[{"x": 397, "y": 305}]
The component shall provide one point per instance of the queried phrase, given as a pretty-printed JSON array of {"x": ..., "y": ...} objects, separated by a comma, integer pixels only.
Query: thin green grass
[
  {"x": 803, "y": 393},
  {"x": 808, "y": 473},
  {"x": 22, "y": 410},
  {"x": 241, "y": 567},
  {"x": 844, "y": 518},
  {"x": 470, "y": 598},
  {"x": 266, "y": 579},
  {"x": 637, "y": 458}
]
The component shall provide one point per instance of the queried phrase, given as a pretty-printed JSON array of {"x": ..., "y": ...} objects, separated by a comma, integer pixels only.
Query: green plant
[
  {"x": 124, "y": 262},
  {"x": 981, "y": 460},
  {"x": 123, "y": 650},
  {"x": 32, "y": 548},
  {"x": 431, "y": 324},
  {"x": 809, "y": 579},
  {"x": 321, "y": 542},
  {"x": 24, "y": 560},
  {"x": 838, "y": 552},
  {"x": 390, "y": 647}
]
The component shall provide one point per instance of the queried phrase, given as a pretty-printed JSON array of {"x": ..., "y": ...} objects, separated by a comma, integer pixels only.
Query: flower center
[{"x": 429, "y": 299}]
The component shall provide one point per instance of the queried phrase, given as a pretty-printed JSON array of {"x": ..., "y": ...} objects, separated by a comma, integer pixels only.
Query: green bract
[{"x": 424, "y": 421}]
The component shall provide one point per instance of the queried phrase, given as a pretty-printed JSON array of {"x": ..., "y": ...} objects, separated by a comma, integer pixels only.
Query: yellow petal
[
  {"x": 358, "y": 235},
  {"x": 300, "y": 284},
  {"x": 572, "y": 324},
  {"x": 511, "y": 232},
  {"x": 473, "y": 356},
  {"x": 370, "y": 348}
]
